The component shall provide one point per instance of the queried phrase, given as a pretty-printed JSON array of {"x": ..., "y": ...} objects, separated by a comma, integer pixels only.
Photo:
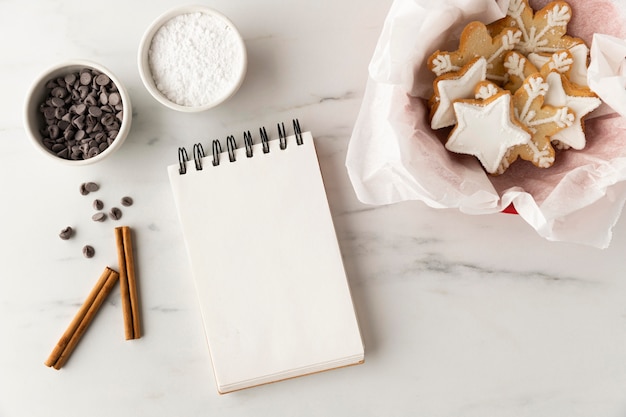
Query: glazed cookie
[
  {"x": 486, "y": 128},
  {"x": 453, "y": 86},
  {"x": 562, "y": 92},
  {"x": 543, "y": 31},
  {"x": 477, "y": 42},
  {"x": 543, "y": 121},
  {"x": 581, "y": 100},
  {"x": 580, "y": 61},
  {"x": 518, "y": 67}
]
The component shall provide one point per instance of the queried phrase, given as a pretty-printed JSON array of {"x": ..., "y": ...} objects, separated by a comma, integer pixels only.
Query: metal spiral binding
[
  {"x": 282, "y": 137},
  {"x": 198, "y": 154},
  {"x": 247, "y": 141},
  {"x": 217, "y": 150},
  {"x": 264, "y": 140},
  {"x": 231, "y": 146},
  {"x": 183, "y": 157},
  {"x": 297, "y": 131}
]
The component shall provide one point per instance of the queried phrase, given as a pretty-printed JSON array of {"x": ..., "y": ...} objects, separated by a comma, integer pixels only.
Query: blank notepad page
[{"x": 273, "y": 292}]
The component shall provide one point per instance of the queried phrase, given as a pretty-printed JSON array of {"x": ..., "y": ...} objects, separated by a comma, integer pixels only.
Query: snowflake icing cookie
[
  {"x": 476, "y": 42},
  {"x": 543, "y": 31},
  {"x": 525, "y": 60},
  {"x": 543, "y": 121}
]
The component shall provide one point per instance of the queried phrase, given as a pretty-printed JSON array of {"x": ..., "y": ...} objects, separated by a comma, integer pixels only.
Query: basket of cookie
[{"x": 491, "y": 106}]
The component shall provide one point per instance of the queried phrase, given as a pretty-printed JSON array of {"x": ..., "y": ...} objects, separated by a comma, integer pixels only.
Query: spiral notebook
[{"x": 273, "y": 293}]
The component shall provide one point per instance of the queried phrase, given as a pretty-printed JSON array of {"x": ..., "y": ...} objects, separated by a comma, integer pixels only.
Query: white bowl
[
  {"x": 146, "y": 71},
  {"x": 34, "y": 120}
]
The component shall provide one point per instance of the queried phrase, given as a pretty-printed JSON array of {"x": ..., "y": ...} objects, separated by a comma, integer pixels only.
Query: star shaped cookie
[
  {"x": 486, "y": 129},
  {"x": 581, "y": 101},
  {"x": 453, "y": 86},
  {"x": 541, "y": 120},
  {"x": 578, "y": 71},
  {"x": 476, "y": 42},
  {"x": 560, "y": 92},
  {"x": 543, "y": 31}
]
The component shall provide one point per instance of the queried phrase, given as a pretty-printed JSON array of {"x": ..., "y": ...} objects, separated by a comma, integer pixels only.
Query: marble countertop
[{"x": 461, "y": 315}]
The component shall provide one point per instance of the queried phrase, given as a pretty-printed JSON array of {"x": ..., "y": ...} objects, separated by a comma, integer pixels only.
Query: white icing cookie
[
  {"x": 578, "y": 69},
  {"x": 454, "y": 86},
  {"x": 581, "y": 101},
  {"x": 486, "y": 129}
]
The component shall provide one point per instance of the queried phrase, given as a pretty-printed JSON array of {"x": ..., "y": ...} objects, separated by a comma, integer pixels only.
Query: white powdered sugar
[{"x": 195, "y": 59}]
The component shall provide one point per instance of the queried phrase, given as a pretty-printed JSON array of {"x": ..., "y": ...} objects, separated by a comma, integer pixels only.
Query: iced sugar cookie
[
  {"x": 518, "y": 67},
  {"x": 453, "y": 86},
  {"x": 542, "y": 121},
  {"x": 543, "y": 31},
  {"x": 486, "y": 128},
  {"x": 580, "y": 63},
  {"x": 581, "y": 100},
  {"x": 477, "y": 42}
]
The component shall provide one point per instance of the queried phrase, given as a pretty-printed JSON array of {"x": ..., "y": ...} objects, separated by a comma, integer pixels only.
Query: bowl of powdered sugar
[{"x": 192, "y": 58}]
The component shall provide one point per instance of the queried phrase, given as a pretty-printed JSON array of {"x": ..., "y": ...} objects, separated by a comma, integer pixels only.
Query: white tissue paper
[{"x": 394, "y": 155}]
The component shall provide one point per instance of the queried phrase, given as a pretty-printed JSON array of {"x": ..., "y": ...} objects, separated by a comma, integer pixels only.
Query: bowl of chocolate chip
[{"x": 78, "y": 113}]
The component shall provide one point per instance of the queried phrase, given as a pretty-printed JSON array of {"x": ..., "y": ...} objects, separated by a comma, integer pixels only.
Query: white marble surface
[{"x": 461, "y": 316}]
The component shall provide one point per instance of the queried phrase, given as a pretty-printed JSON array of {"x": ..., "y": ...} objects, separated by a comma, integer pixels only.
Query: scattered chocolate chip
[
  {"x": 92, "y": 186},
  {"x": 115, "y": 213},
  {"x": 66, "y": 233},
  {"x": 88, "y": 251},
  {"x": 83, "y": 189},
  {"x": 127, "y": 201},
  {"x": 98, "y": 204},
  {"x": 99, "y": 217}
]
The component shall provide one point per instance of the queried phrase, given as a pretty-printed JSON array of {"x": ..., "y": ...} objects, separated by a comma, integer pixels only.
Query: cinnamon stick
[
  {"x": 128, "y": 282},
  {"x": 124, "y": 291},
  {"x": 77, "y": 327}
]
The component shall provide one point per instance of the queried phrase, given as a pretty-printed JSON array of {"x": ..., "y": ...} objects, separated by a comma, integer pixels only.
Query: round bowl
[
  {"x": 39, "y": 94},
  {"x": 174, "y": 72}
]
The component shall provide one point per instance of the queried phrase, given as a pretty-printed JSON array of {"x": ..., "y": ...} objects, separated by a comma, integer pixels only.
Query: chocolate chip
[
  {"x": 99, "y": 217},
  {"x": 63, "y": 153},
  {"x": 108, "y": 119},
  {"x": 93, "y": 151},
  {"x": 98, "y": 204},
  {"x": 114, "y": 99},
  {"x": 127, "y": 201},
  {"x": 92, "y": 186},
  {"x": 85, "y": 78},
  {"x": 49, "y": 112},
  {"x": 95, "y": 111},
  {"x": 83, "y": 189},
  {"x": 81, "y": 108},
  {"x": 70, "y": 79},
  {"x": 66, "y": 233},
  {"x": 79, "y": 135},
  {"x": 57, "y": 102},
  {"x": 115, "y": 213},
  {"x": 102, "y": 79},
  {"x": 88, "y": 251},
  {"x": 58, "y": 92}
]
